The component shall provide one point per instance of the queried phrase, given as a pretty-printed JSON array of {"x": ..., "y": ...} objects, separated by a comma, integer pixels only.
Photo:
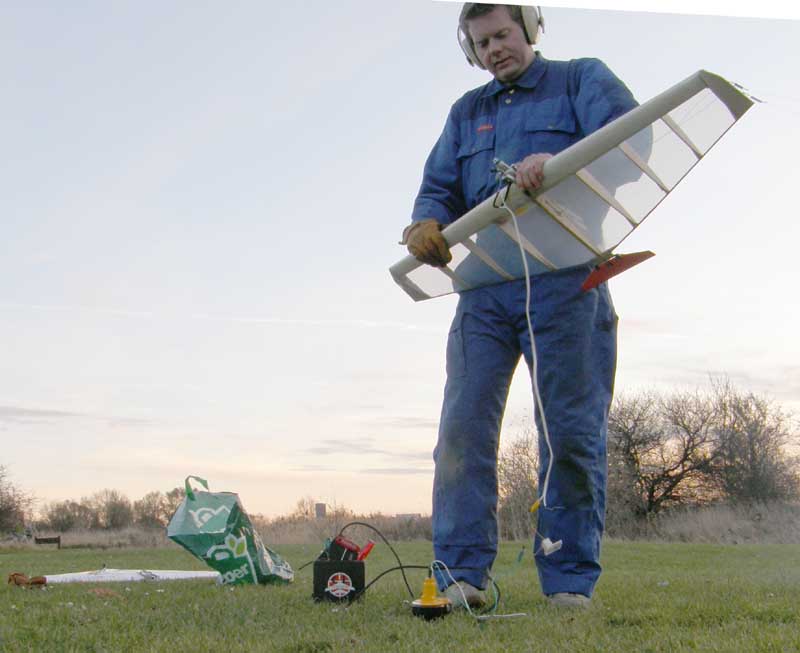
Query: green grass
[{"x": 652, "y": 597}]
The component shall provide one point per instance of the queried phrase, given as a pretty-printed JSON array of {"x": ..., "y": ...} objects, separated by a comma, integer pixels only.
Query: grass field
[{"x": 652, "y": 597}]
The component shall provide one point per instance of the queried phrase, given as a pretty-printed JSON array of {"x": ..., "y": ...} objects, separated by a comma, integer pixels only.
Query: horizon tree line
[{"x": 665, "y": 451}]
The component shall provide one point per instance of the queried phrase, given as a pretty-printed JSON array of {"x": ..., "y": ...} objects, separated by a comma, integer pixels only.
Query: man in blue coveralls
[{"x": 531, "y": 109}]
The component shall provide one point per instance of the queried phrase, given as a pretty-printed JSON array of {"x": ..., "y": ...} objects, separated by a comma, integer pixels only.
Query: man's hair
[{"x": 476, "y": 9}]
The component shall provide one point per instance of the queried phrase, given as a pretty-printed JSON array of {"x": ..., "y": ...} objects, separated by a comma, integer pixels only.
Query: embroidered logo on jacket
[{"x": 485, "y": 128}]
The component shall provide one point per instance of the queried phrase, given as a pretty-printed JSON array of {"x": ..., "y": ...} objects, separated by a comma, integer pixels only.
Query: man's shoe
[
  {"x": 461, "y": 591},
  {"x": 569, "y": 600}
]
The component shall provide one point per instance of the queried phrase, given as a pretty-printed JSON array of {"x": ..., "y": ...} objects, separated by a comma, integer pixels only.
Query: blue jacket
[{"x": 553, "y": 105}]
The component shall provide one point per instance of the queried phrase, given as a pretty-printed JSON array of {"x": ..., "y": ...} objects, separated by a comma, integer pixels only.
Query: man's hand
[
  {"x": 426, "y": 243},
  {"x": 530, "y": 171}
]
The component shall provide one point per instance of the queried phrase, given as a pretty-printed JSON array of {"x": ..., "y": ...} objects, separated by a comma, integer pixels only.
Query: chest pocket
[
  {"x": 552, "y": 127},
  {"x": 475, "y": 155}
]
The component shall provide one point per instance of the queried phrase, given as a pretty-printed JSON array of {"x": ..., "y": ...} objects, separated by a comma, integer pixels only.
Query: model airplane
[{"x": 594, "y": 194}]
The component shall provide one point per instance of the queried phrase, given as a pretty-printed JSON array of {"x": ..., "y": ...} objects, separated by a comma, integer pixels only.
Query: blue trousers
[{"x": 575, "y": 335}]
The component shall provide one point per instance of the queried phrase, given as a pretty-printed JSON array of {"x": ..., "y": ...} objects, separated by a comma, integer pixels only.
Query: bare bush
[
  {"x": 661, "y": 451},
  {"x": 114, "y": 509},
  {"x": 110, "y": 510},
  {"x": 690, "y": 449},
  {"x": 63, "y": 516},
  {"x": 517, "y": 471},
  {"x": 150, "y": 511},
  {"x": 15, "y": 504},
  {"x": 752, "y": 438},
  {"x": 633, "y": 436},
  {"x": 172, "y": 500}
]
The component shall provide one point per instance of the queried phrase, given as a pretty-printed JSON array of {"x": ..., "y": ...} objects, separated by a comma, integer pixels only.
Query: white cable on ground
[{"x": 479, "y": 617}]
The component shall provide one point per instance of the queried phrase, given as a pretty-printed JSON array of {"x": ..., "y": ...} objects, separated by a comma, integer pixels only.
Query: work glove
[{"x": 426, "y": 243}]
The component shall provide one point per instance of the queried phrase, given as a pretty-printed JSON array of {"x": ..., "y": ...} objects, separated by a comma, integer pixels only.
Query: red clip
[
  {"x": 365, "y": 551},
  {"x": 346, "y": 544}
]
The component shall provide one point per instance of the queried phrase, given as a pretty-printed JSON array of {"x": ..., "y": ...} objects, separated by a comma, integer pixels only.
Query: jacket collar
[{"x": 529, "y": 78}]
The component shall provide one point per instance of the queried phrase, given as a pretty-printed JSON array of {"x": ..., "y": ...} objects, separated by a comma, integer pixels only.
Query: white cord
[
  {"x": 439, "y": 564},
  {"x": 479, "y": 617},
  {"x": 535, "y": 365}
]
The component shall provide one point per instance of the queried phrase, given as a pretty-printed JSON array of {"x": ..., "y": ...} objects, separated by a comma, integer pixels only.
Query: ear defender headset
[{"x": 532, "y": 26}]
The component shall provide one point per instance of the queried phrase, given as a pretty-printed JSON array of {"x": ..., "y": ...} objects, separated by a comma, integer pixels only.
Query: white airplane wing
[
  {"x": 129, "y": 576},
  {"x": 594, "y": 193}
]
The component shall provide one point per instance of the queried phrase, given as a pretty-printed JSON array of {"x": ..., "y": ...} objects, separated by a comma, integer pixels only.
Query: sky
[{"x": 199, "y": 206}]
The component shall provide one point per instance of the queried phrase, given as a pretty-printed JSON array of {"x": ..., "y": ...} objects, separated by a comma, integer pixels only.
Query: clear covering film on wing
[{"x": 594, "y": 193}]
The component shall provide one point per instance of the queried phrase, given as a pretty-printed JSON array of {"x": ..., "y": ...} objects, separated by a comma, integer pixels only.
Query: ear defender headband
[{"x": 532, "y": 27}]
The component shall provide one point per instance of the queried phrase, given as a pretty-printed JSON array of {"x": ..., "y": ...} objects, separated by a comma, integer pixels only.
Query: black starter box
[{"x": 338, "y": 580}]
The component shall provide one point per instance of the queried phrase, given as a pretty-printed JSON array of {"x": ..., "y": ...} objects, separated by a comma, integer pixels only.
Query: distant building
[{"x": 320, "y": 510}]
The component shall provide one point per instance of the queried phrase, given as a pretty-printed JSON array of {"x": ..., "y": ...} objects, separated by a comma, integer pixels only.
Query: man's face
[{"x": 500, "y": 44}]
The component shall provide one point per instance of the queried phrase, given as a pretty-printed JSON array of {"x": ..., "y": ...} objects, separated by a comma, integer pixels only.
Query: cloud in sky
[
  {"x": 23, "y": 415},
  {"x": 19, "y": 414},
  {"x": 365, "y": 447},
  {"x": 383, "y": 471},
  {"x": 116, "y": 312},
  {"x": 235, "y": 319},
  {"x": 128, "y": 422},
  {"x": 400, "y": 422},
  {"x": 397, "y": 471}
]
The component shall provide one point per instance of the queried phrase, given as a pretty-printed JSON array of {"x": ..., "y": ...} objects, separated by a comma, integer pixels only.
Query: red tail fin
[{"x": 614, "y": 266}]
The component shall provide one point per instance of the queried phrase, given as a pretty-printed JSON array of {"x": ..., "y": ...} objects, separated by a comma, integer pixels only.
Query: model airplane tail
[{"x": 617, "y": 264}]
